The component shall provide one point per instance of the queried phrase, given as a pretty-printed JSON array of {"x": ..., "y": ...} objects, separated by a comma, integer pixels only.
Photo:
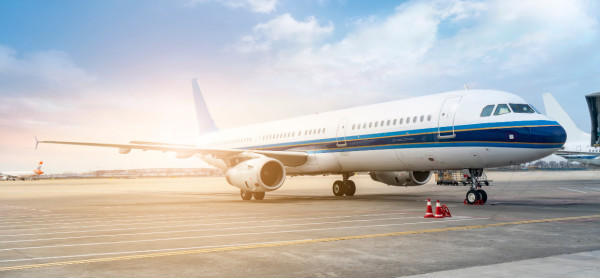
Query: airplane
[
  {"x": 22, "y": 174},
  {"x": 578, "y": 146},
  {"x": 398, "y": 143}
]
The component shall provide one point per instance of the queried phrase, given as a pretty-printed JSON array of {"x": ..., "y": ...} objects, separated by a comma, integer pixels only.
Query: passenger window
[
  {"x": 381, "y": 124},
  {"x": 521, "y": 108},
  {"x": 487, "y": 111},
  {"x": 352, "y": 127},
  {"x": 394, "y": 123},
  {"x": 422, "y": 118},
  {"x": 501, "y": 109},
  {"x": 429, "y": 118},
  {"x": 407, "y": 120},
  {"x": 401, "y": 121},
  {"x": 388, "y": 122},
  {"x": 415, "y": 119},
  {"x": 376, "y": 124}
]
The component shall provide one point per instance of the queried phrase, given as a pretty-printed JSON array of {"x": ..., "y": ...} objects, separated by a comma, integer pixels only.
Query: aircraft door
[
  {"x": 340, "y": 134},
  {"x": 446, "y": 118}
]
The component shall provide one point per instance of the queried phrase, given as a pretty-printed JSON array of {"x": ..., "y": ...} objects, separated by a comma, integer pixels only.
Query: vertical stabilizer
[
  {"x": 205, "y": 122},
  {"x": 556, "y": 112}
]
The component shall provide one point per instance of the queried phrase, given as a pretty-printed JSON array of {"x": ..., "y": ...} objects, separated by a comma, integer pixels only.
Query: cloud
[
  {"x": 257, "y": 6},
  {"x": 51, "y": 66},
  {"x": 39, "y": 88},
  {"x": 284, "y": 30},
  {"x": 429, "y": 46}
]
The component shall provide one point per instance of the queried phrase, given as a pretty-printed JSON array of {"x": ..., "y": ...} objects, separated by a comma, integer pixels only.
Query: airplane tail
[
  {"x": 555, "y": 111},
  {"x": 205, "y": 122}
]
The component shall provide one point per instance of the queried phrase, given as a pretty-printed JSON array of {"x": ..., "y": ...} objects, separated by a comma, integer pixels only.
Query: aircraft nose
[{"x": 552, "y": 135}]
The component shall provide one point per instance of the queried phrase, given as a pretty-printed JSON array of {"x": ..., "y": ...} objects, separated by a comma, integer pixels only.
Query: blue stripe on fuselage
[{"x": 526, "y": 134}]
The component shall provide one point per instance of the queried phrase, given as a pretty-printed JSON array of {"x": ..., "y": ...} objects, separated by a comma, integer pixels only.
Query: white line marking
[
  {"x": 228, "y": 235},
  {"x": 184, "y": 221},
  {"x": 593, "y": 188},
  {"x": 109, "y": 220},
  {"x": 571, "y": 190},
  {"x": 213, "y": 229},
  {"x": 148, "y": 251}
]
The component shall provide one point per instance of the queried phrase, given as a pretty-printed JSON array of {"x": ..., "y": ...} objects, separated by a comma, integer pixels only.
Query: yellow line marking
[{"x": 288, "y": 243}]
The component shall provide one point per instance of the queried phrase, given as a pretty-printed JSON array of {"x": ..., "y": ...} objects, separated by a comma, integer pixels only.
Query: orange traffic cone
[
  {"x": 438, "y": 210},
  {"x": 429, "y": 211}
]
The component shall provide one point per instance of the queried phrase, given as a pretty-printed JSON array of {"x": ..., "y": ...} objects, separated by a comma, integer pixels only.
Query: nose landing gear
[{"x": 476, "y": 195}]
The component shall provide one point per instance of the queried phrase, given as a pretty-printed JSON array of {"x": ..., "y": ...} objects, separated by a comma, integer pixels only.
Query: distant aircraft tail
[
  {"x": 205, "y": 122},
  {"x": 555, "y": 111},
  {"x": 39, "y": 169}
]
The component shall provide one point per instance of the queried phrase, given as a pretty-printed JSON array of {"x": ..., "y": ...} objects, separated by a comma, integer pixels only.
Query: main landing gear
[
  {"x": 476, "y": 195},
  {"x": 247, "y": 195},
  {"x": 345, "y": 186}
]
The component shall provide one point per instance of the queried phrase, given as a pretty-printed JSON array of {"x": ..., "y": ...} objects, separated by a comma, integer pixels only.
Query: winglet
[
  {"x": 36, "y": 142},
  {"x": 205, "y": 122}
]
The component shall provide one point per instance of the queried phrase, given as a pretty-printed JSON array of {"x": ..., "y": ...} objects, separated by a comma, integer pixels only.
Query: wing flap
[{"x": 290, "y": 159}]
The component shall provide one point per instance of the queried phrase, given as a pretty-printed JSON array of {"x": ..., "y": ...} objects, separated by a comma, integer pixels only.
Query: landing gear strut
[
  {"x": 345, "y": 186},
  {"x": 476, "y": 195}
]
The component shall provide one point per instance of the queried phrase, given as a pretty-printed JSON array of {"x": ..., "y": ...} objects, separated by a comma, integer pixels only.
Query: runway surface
[{"x": 200, "y": 227}]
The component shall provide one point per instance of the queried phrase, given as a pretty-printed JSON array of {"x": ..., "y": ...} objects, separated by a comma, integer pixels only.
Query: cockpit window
[
  {"x": 501, "y": 109},
  {"x": 487, "y": 111},
  {"x": 521, "y": 108},
  {"x": 536, "y": 110}
]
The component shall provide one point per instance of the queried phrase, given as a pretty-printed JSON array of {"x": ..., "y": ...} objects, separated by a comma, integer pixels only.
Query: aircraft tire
[
  {"x": 350, "y": 188},
  {"x": 339, "y": 188},
  {"x": 258, "y": 195},
  {"x": 246, "y": 195},
  {"x": 483, "y": 195},
  {"x": 472, "y": 196}
]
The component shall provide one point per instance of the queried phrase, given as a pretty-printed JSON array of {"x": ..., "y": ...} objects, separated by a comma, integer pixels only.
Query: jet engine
[
  {"x": 257, "y": 174},
  {"x": 404, "y": 178}
]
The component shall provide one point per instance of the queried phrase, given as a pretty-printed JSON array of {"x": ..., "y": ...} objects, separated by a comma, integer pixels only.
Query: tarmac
[{"x": 534, "y": 224}]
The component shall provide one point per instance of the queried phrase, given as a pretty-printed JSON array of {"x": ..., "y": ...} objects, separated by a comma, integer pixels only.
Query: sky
[{"x": 119, "y": 70}]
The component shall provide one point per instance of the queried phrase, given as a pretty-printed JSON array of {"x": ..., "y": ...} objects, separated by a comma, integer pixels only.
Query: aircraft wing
[
  {"x": 290, "y": 159},
  {"x": 577, "y": 152}
]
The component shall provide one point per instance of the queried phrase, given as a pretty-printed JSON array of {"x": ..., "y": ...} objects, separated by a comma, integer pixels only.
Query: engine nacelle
[
  {"x": 404, "y": 178},
  {"x": 257, "y": 174}
]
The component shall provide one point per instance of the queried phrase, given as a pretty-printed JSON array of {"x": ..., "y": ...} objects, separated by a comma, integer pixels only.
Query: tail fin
[
  {"x": 205, "y": 122},
  {"x": 556, "y": 112}
]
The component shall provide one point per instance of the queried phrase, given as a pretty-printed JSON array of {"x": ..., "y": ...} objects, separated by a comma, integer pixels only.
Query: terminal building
[{"x": 593, "y": 101}]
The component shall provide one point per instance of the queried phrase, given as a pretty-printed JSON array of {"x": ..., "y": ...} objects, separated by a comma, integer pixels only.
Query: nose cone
[{"x": 552, "y": 135}]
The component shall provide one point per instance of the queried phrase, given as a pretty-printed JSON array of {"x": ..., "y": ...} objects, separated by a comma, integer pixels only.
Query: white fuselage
[
  {"x": 19, "y": 174},
  {"x": 442, "y": 131}
]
